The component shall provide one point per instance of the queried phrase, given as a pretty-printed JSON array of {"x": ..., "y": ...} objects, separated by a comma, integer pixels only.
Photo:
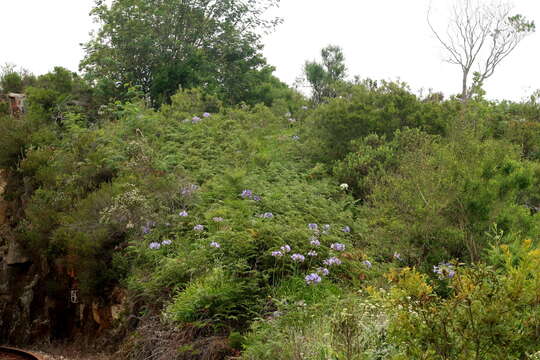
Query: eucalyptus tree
[
  {"x": 479, "y": 36},
  {"x": 161, "y": 45}
]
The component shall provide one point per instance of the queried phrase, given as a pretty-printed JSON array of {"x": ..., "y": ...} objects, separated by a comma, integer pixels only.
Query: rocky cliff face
[
  {"x": 39, "y": 299},
  {"x": 19, "y": 279}
]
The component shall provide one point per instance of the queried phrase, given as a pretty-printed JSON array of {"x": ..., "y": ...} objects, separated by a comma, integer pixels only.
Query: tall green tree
[
  {"x": 324, "y": 77},
  {"x": 162, "y": 46}
]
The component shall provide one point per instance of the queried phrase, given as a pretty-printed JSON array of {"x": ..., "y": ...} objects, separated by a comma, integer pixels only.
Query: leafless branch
[{"x": 481, "y": 35}]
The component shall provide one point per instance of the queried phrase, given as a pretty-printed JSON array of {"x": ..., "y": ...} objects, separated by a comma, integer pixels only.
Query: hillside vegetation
[{"x": 372, "y": 224}]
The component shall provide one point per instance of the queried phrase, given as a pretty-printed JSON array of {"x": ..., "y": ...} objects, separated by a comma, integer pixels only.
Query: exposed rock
[
  {"x": 36, "y": 299},
  {"x": 119, "y": 300},
  {"x": 16, "y": 254},
  {"x": 95, "y": 313}
]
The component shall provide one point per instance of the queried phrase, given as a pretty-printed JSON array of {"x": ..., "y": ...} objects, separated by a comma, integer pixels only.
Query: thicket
[
  {"x": 365, "y": 223},
  {"x": 233, "y": 220}
]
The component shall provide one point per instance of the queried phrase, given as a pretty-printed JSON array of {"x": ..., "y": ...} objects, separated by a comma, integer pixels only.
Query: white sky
[{"x": 381, "y": 39}]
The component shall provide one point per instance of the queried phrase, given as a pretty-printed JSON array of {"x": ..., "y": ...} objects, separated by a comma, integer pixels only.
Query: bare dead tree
[{"x": 478, "y": 37}]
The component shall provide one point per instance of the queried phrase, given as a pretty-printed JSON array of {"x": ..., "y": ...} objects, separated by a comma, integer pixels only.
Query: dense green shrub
[
  {"x": 380, "y": 110},
  {"x": 320, "y": 323},
  {"x": 442, "y": 200},
  {"x": 374, "y": 156},
  {"x": 490, "y": 313}
]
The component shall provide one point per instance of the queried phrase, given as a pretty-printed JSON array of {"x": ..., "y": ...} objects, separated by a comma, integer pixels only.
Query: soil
[{"x": 68, "y": 353}]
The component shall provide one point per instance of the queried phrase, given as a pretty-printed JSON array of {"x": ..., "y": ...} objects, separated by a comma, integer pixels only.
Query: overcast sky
[{"x": 381, "y": 39}]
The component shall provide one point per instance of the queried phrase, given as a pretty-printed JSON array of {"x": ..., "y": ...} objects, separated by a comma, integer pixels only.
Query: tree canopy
[
  {"x": 323, "y": 77},
  {"x": 162, "y": 46}
]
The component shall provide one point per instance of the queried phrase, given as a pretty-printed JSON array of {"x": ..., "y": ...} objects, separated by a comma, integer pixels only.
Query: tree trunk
[{"x": 464, "y": 90}]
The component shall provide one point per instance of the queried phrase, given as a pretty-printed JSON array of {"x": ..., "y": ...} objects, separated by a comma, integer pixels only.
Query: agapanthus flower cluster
[
  {"x": 285, "y": 248},
  {"x": 332, "y": 261},
  {"x": 298, "y": 257},
  {"x": 183, "y": 213},
  {"x": 323, "y": 271},
  {"x": 312, "y": 253},
  {"x": 146, "y": 229},
  {"x": 198, "y": 227},
  {"x": 313, "y": 278},
  {"x": 166, "y": 242},
  {"x": 215, "y": 245},
  {"x": 314, "y": 241},
  {"x": 277, "y": 253},
  {"x": 206, "y": 115},
  {"x": 296, "y": 137},
  {"x": 367, "y": 263},
  {"x": 154, "y": 245},
  {"x": 445, "y": 270},
  {"x": 313, "y": 227},
  {"x": 195, "y": 119},
  {"x": 266, "y": 215},
  {"x": 189, "y": 189},
  {"x": 248, "y": 194},
  {"x": 337, "y": 247},
  {"x": 346, "y": 229}
]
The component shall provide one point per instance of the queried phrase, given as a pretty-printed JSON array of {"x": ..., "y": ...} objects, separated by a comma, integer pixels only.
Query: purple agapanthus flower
[
  {"x": 268, "y": 215},
  {"x": 346, "y": 229},
  {"x": 323, "y": 271},
  {"x": 195, "y": 119},
  {"x": 367, "y": 263},
  {"x": 314, "y": 241},
  {"x": 337, "y": 247},
  {"x": 206, "y": 115},
  {"x": 257, "y": 198},
  {"x": 313, "y": 227},
  {"x": 298, "y": 257},
  {"x": 332, "y": 261},
  {"x": 286, "y": 248},
  {"x": 166, "y": 242},
  {"x": 190, "y": 189},
  {"x": 313, "y": 278},
  {"x": 217, "y": 219},
  {"x": 183, "y": 213},
  {"x": 312, "y": 253},
  {"x": 198, "y": 227},
  {"x": 215, "y": 245},
  {"x": 146, "y": 229},
  {"x": 277, "y": 253},
  {"x": 247, "y": 194},
  {"x": 154, "y": 245},
  {"x": 445, "y": 270}
]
